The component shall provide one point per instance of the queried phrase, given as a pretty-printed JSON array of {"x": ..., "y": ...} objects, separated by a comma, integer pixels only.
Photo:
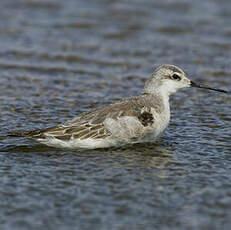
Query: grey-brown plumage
[{"x": 91, "y": 124}]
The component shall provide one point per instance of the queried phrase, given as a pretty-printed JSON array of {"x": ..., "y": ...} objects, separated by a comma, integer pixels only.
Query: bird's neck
[
  {"x": 165, "y": 90},
  {"x": 160, "y": 93},
  {"x": 160, "y": 99}
]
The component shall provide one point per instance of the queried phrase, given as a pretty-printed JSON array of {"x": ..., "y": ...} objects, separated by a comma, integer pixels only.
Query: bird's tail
[{"x": 26, "y": 133}]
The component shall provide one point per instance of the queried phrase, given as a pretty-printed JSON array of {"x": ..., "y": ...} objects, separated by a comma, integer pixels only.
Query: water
[{"x": 60, "y": 58}]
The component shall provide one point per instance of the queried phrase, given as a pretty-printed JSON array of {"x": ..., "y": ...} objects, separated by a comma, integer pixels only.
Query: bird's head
[{"x": 168, "y": 79}]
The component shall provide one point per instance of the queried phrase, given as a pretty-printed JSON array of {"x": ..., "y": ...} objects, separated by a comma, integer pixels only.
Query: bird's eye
[{"x": 176, "y": 77}]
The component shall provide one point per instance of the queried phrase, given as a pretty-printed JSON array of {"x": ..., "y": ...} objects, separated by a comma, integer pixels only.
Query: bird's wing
[
  {"x": 91, "y": 124},
  {"x": 81, "y": 131}
]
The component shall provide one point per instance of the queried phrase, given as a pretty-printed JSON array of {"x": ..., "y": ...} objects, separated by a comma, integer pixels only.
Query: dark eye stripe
[{"x": 176, "y": 77}]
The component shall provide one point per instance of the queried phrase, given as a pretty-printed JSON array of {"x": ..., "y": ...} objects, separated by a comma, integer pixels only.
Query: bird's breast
[{"x": 161, "y": 121}]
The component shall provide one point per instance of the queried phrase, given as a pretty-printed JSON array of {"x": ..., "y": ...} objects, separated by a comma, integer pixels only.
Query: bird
[{"x": 138, "y": 119}]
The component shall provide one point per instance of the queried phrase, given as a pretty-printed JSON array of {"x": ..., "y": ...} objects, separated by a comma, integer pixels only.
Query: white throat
[{"x": 162, "y": 88}]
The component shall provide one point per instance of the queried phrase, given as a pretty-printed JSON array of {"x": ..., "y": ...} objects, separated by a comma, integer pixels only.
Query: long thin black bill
[{"x": 193, "y": 84}]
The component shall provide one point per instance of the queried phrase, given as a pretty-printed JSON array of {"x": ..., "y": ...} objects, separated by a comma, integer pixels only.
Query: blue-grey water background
[{"x": 59, "y": 58}]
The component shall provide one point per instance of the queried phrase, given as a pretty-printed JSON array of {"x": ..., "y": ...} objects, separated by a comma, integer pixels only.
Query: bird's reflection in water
[{"x": 139, "y": 157}]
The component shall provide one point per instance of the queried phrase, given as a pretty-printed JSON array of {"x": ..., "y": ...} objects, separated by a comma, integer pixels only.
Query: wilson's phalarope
[{"x": 133, "y": 120}]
